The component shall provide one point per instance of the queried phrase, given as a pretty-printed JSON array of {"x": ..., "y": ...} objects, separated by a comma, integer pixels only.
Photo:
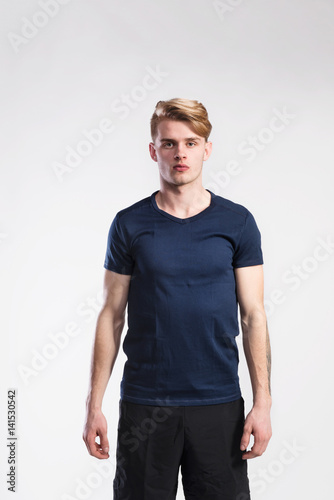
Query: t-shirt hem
[
  {"x": 117, "y": 270},
  {"x": 167, "y": 401},
  {"x": 248, "y": 264}
]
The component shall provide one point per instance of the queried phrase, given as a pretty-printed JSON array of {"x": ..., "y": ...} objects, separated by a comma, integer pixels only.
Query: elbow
[
  {"x": 119, "y": 323},
  {"x": 113, "y": 318},
  {"x": 254, "y": 318}
]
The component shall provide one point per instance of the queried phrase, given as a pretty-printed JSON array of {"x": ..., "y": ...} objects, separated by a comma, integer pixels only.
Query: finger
[
  {"x": 93, "y": 447},
  {"x": 99, "y": 452},
  {"x": 247, "y": 455},
  {"x": 245, "y": 438},
  {"x": 251, "y": 454},
  {"x": 104, "y": 443},
  {"x": 257, "y": 450}
]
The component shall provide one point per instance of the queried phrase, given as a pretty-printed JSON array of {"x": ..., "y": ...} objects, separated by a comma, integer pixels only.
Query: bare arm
[
  {"x": 108, "y": 333},
  {"x": 249, "y": 281}
]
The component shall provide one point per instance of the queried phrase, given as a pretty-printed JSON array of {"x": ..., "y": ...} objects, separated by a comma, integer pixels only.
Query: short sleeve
[
  {"x": 248, "y": 251},
  {"x": 118, "y": 256}
]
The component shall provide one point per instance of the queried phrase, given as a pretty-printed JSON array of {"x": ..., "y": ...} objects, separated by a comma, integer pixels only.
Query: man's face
[{"x": 176, "y": 147}]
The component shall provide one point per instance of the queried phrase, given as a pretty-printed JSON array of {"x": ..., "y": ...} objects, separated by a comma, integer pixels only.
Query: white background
[{"x": 246, "y": 61}]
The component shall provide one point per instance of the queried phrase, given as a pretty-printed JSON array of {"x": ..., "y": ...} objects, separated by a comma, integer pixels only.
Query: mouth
[{"x": 180, "y": 167}]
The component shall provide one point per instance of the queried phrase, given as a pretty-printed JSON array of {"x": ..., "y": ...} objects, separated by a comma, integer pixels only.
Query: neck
[{"x": 183, "y": 201}]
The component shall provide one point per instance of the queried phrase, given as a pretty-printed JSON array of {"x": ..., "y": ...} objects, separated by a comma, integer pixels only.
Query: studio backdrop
[{"x": 80, "y": 80}]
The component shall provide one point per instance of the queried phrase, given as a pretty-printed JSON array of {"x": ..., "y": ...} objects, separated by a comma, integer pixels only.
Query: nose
[{"x": 180, "y": 153}]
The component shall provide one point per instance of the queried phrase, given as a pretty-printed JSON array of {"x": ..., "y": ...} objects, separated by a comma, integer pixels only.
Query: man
[{"x": 182, "y": 260}]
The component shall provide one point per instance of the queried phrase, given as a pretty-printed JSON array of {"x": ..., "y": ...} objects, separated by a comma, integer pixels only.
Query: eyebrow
[{"x": 166, "y": 139}]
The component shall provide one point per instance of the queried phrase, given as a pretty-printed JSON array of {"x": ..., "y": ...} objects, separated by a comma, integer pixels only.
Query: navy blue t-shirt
[{"x": 182, "y": 304}]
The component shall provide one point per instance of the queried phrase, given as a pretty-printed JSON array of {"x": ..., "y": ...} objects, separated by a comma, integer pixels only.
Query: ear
[
  {"x": 207, "y": 150},
  {"x": 153, "y": 151}
]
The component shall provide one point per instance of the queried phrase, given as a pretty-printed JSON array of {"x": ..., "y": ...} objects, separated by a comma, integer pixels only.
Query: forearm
[
  {"x": 105, "y": 350},
  {"x": 257, "y": 350}
]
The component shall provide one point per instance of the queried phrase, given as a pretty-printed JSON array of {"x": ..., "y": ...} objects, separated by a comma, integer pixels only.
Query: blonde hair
[{"x": 182, "y": 110}]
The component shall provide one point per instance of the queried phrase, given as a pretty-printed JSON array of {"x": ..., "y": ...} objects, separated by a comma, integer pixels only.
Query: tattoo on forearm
[{"x": 268, "y": 355}]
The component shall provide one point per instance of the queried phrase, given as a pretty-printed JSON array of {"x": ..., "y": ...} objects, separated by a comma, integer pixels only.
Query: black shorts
[{"x": 155, "y": 441}]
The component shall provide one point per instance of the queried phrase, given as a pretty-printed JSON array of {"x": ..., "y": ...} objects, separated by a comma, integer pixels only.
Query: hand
[
  {"x": 96, "y": 425},
  {"x": 257, "y": 423}
]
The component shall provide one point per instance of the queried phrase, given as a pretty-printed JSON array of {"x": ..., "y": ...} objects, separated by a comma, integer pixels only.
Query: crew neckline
[{"x": 187, "y": 219}]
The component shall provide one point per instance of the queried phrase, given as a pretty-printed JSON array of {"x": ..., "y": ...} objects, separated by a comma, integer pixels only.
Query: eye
[
  {"x": 191, "y": 144},
  {"x": 168, "y": 145}
]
